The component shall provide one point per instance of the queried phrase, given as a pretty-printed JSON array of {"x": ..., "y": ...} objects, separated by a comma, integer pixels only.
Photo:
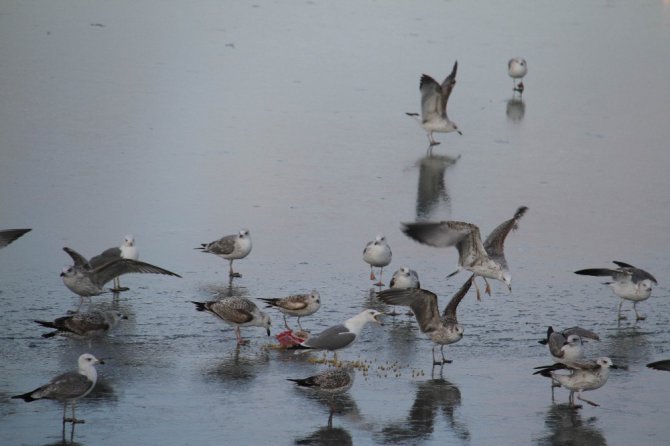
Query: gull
[
  {"x": 296, "y": 305},
  {"x": 127, "y": 250},
  {"x": 341, "y": 335},
  {"x": 335, "y": 380},
  {"x": 442, "y": 329},
  {"x": 377, "y": 253},
  {"x": 434, "y": 98},
  {"x": 630, "y": 283},
  {"x": 7, "y": 236},
  {"x": 230, "y": 247},
  {"x": 517, "y": 69},
  {"x": 586, "y": 375},
  {"x": 86, "y": 281},
  {"x": 94, "y": 323},
  {"x": 483, "y": 259},
  {"x": 566, "y": 346},
  {"x": 663, "y": 364},
  {"x": 238, "y": 312},
  {"x": 68, "y": 387},
  {"x": 404, "y": 278}
]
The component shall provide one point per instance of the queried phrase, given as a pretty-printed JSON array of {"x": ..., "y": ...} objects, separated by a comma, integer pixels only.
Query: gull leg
[
  {"x": 619, "y": 313},
  {"x": 435, "y": 361},
  {"x": 298, "y": 323},
  {"x": 380, "y": 283},
  {"x": 479, "y": 296},
  {"x": 372, "y": 273},
  {"x": 286, "y": 323},
  {"x": 238, "y": 335},
  {"x": 454, "y": 273},
  {"x": 638, "y": 316},
  {"x": 231, "y": 273},
  {"x": 579, "y": 397},
  {"x": 444, "y": 360},
  {"x": 488, "y": 287}
]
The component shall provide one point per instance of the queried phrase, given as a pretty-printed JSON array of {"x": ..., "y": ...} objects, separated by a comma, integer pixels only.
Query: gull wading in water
[
  {"x": 629, "y": 283},
  {"x": 127, "y": 250},
  {"x": 238, "y": 312},
  {"x": 486, "y": 260},
  {"x": 297, "y": 305},
  {"x": 434, "y": 98},
  {"x": 68, "y": 387},
  {"x": 332, "y": 381},
  {"x": 517, "y": 69},
  {"x": 7, "y": 236},
  {"x": 230, "y": 247},
  {"x": 441, "y": 329},
  {"x": 94, "y": 323},
  {"x": 377, "y": 253}
]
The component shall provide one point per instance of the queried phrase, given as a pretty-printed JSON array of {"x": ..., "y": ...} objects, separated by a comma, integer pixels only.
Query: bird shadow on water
[
  {"x": 340, "y": 405},
  {"x": 567, "y": 427},
  {"x": 432, "y": 194},
  {"x": 516, "y": 109},
  {"x": 238, "y": 365}
]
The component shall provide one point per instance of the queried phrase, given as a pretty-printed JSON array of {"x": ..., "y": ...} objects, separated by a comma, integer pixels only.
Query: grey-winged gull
[
  {"x": 297, "y": 305},
  {"x": 68, "y": 387},
  {"x": 442, "y": 329},
  {"x": 377, "y": 253},
  {"x": 127, "y": 250},
  {"x": 629, "y": 283},
  {"x": 238, "y": 312},
  {"x": 434, "y": 98},
  {"x": 566, "y": 346},
  {"x": 230, "y": 247},
  {"x": 7, "y": 236},
  {"x": 483, "y": 259},
  {"x": 93, "y": 323},
  {"x": 332, "y": 381},
  {"x": 517, "y": 69}
]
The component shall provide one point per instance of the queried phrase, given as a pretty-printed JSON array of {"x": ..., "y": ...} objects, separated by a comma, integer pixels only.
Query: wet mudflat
[{"x": 182, "y": 124}]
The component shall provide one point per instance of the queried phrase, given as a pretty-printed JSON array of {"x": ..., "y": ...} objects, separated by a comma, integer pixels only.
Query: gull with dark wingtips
[
  {"x": 93, "y": 323},
  {"x": 7, "y": 236},
  {"x": 230, "y": 247},
  {"x": 127, "y": 250},
  {"x": 297, "y": 305},
  {"x": 238, "y": 312},
  {"x": 486, "y": 260}
]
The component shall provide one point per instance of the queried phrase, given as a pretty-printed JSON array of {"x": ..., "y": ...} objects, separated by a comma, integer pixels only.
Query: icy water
[{"x": 180, "y": 122}]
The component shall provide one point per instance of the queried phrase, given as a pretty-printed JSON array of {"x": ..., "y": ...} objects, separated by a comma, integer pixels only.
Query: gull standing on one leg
[
  {"x": 230, "y": 247},
  {"x": 377, "y": 253}
]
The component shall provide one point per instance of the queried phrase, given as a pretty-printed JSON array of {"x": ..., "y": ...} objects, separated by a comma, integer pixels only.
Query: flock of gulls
[{"x": 485, "y": 259}]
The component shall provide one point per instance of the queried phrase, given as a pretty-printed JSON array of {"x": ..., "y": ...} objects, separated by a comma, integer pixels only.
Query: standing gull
[
  {"x": 377, "y": 253},
  {"x": 230, "y": 247},
  {"x": 85, "y": 280},
  {"x": 630, "y": 283},
  {"x": 68, "y": 387},
  {"x": 127, "y": 250},
  {"x": 94, "y": 323},
  {"x": 434, "y": 98},
  {"x": 332, "y": 381},
  {"x": 586, "y": 375},
  {"x": 404, "y": 278},
  {"x": 517, "y": 69},
  {"x": 483, "y": 259},
  {"x": 441, "y": 329},
  {"x": 298, "y": 305},
  {"x": 238, "y": 312},
  {"x": 341, "y": 335},
  {"x": 7, "y": 236}
]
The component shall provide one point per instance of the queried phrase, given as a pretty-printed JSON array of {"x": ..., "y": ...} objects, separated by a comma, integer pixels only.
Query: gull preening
[
  {"x": 68, "y": 387},
  {"x": 230, "y": 247},
  {"x": 94, "y": 323},
  {"x": 629, "y": 283},
  {"x": 377, "y": 253},
  {"x": 517, "y": 69},
  {"x": 332, "y": 381},
  {"x": 238, "y": 312},
  {"x": 297, "y": 305},
  {"x": 86, "y": 281},
  {"x": 341, "y": 335},
  {"x": 127, "y": 250},
  {"x": 442, "y": 329},
  {"x": 434, "y": 98},
  {"x": 584, "y": 376},
  {"x": 486, "y": 260},
  {"x": 7, "y": 236}
]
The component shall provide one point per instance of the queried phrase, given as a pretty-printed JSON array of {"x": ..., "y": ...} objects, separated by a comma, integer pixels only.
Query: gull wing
[
  {"x": 581, "y": 332},
  {"x": 432, "y": 102},
  {"x": 7, "y": 236},
  {"x": 422, "y": 302},
  {"x": 78, "y": 259},
  {"x": 660, "y": 365},
  {"x": 450, "y": 310},
  {"x": 105, "y": 256},
  {"x": 556, "y": 343},
  {"x": 447, "y": 87},
  {"x": 223, "y": 246},
  {"x": 464, "y": 236},
  {"x": 103, "y": 274},
  {"x": 230, "y": 311},
  {"x": 333, "y": 338},
  {"x": 638, "y": 274},
  {"x": 495, "y": 242},
  {"x": 63, "y": 387}
]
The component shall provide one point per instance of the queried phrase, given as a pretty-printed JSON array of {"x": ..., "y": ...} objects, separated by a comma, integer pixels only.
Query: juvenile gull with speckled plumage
[
  {"x": 238, "y": 312},
  {"x": 298, "y": 305},
  {"x": 93, "y": 323}
]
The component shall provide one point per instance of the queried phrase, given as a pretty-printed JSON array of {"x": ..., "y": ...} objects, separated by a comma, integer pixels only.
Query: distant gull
[
  {"x": 127, "y": 250},
  {"x": 434, "y": 98},
  {"x": 85, "y": 280},
  {"x": 94, "y": 323},
  {"x": 484, "y": 260},
  {"x": 660, "y": 365},
  {"x": 7, "y": 236},
  {"x": 298, "y": 305},
  {"x": 230, "y": 247},
  {"x": 630, "y": 283},
  {"x": 238, "y": 312},
  {"x": 340, "y": 336},
  {"x": 377, "y": 253},
  {"x": 586, "y": 375},
  {"x": 332, "y": 381},
  {"x": 441, "y": 329},
  {"x": 404, "y": 278},
  {"x": 517, "y": 69},
  {"x": 68, "y": 387}
]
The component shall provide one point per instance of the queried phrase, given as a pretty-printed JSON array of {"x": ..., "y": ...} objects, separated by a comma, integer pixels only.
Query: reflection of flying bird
[
  {"x": 94, "y": 323},
  {"x": 377, "y": 253},
  {"x": 629, "y": 283},
  {"x": 660, "y": 365},
  {"x": 298, "y": 305},
  {"x": 517, "y": 69},
  {"x": 238, "y": 312},
  {"x": 127, "y": 250},
  {"x": 483, "y": 259},
  {"x": 441, "y": 329},
  {"x": 432, "y": 189},
  {"x": 7, "y": 236},
  {"x": 230, "y": 247},
  {"x": 68, "y": 387},
  {"x": 434, "y": 98}
]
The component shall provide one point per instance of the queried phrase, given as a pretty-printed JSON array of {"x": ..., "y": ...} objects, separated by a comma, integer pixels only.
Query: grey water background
[{"x": 180, "y": 122}]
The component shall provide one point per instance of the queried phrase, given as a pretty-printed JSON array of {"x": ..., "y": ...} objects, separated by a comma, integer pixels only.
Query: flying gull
[
  {"x": 94, "y": 323},
  {"x": 332, "y": 381},
  {"x": 68, "y": 387},
  {"x": 230, "y": 247},
  {"x": 483, "y": 259},
  {"x": 517, "y": 69},
  {"x": 298, "y": 305},
  {"x": 377, "y": 253},
  {"x": 434, "y": 98},
  {"x": 630, "y": 283},
  {"x": 441, "y": 329},
  {"x": 238, "y": 312},
  {"x": 127, "y": 250},
  {"x": 7, "y": 236}
]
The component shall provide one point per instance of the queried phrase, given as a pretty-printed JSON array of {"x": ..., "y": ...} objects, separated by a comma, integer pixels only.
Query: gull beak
[
  {"x": 101, "y": 361},
  {"x": 509, "y": 287},
  {"x": 62, "y": 274},
  {"x": 614, "y": 366}
]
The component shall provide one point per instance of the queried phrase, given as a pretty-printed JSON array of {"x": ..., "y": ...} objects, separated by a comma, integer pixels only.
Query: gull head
[
  {"x": 129, "y": 240},
  {"x": 507, "y": 278},
  {"x": 314, "y": 297},
  {"x": 265, "y": 321},
  {"x": 244, "y": 233},
  {"x": 88, "y": 360},
  {"x": 605, "y": 362},
  {"x": 380, "y": 239},
  {"x": 572, "y": 340},
  {"x": 373, "y": 316},
  {"x": 68, "y": 271}
]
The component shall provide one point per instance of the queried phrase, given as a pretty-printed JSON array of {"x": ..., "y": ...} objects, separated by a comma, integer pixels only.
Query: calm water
[{"x": 180, "y": 123}]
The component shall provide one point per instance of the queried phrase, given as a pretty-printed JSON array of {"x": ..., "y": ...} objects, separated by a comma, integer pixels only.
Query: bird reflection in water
[
  {"x": 340, "y": 404},
  {"x": 566, "y": 427},
  {"x": 431, "y": 396},
  {"x": 67, "y": 437},
  {"x": 432, "y": 192},
  {"x": 516, "y": 109},
  {"x": 238, "y": 367}
]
